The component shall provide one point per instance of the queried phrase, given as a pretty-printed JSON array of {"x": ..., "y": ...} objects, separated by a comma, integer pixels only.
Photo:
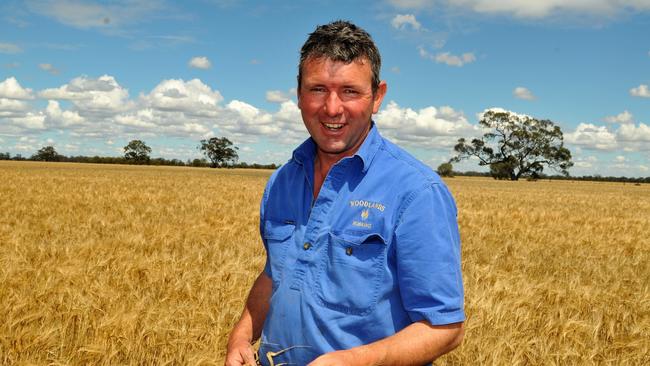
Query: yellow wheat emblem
[{"x": 364, "y": 214}]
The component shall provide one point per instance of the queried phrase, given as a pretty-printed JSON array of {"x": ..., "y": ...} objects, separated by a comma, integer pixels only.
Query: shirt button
[
  {"x": 348, "y": 250},
  {"x": 306, "y": 246}
]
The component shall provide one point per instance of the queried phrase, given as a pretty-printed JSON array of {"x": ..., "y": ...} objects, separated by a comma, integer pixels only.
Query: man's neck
[
  {"x": 324, "y": 161},
  {"x": 322, "y": 165}
]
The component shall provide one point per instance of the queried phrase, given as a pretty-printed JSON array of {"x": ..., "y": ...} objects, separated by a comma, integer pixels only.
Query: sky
[{"x": 89, "y": 76}]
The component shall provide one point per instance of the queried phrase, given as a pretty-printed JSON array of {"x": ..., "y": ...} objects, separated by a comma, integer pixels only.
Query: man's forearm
[
  {"x": 257, "y": 305},
  {"x": 249, "y": 326},
  {"x": 418, "y": 344}
]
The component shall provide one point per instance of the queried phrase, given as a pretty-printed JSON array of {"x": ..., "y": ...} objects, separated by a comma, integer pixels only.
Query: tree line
[
  {"x": 447, "y": 170},
  {"x": 218, "y": 151},
  {"x": 513, "y": 146}
]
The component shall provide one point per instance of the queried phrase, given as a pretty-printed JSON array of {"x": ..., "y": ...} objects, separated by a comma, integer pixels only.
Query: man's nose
[{"x": 333, "y": 105}]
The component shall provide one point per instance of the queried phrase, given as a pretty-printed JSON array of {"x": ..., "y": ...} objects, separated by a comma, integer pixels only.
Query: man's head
[
  {"x": 339, "y": 88},
  {"x": 344, "y": 42}
]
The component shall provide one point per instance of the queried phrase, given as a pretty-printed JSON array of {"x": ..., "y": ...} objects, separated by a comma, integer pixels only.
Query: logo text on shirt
[
  {"x": 367, "y": 204},
  {"x": 365, "y": 213}
]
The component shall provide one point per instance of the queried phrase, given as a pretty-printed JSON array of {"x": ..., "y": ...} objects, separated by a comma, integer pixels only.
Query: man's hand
[
  {"x": 338, "y": 358},
  {"x": 240, "y": 353}
]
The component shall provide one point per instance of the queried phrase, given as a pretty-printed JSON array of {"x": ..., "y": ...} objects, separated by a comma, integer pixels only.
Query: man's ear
[
  {"x": 298, "y": 97},
  {"x": 379, "y": 96}
]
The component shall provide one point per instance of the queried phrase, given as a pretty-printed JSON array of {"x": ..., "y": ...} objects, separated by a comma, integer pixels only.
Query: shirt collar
[{"x": 304, "y": 154}]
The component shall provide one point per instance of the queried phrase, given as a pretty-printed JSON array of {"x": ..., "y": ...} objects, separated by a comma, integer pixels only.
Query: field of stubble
[{"x": 108, "y": 265}]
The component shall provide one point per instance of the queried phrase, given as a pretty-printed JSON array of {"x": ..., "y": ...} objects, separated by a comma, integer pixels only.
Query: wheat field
[{"x": 107, "y": 264}]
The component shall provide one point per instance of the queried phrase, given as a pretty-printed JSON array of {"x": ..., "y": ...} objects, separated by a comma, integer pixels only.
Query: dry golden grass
[
  {"x": 556, "y": 273},
  {"x": 105, "y": 264}
]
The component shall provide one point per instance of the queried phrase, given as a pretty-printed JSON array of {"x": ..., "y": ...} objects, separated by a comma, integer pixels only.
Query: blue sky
[{"x": 88, "y": 76}]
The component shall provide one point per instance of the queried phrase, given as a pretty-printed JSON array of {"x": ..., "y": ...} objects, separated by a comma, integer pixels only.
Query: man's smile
[{"x": 333, "y": 126}]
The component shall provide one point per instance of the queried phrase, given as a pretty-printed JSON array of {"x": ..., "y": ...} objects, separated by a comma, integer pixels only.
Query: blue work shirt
[{"x": 377, "y": 250}]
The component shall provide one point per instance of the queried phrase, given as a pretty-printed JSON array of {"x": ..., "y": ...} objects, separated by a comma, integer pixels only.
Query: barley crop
[{"x": 106, "y": 264}]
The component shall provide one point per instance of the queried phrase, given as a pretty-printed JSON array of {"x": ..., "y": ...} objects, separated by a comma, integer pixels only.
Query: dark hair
[{"x": 341, "y": 41}]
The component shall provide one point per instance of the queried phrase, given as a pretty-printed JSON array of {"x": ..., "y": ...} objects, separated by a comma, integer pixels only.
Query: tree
[
  {"x": 502, "y": 170},
  {"x": 137, "y": 152},
  {"x": 517, "y": 146},
  {"x": 445, "y": 170},
  {"x": 198, "y": 163},
  {"x": 220, "y": 151},
  {"x": 46, "y": 153}
]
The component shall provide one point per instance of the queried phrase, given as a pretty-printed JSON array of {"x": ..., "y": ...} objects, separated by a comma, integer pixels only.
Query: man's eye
[{"x": 317, "y": 89}]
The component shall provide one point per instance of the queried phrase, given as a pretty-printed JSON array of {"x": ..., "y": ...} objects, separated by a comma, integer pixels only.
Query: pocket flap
[
  {"x": 361, "y": 239},
  {"x": 278, "y": 230}
]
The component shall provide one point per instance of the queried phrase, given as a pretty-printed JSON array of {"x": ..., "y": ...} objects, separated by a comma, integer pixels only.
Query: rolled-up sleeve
[{"x": 427, "y": 245}]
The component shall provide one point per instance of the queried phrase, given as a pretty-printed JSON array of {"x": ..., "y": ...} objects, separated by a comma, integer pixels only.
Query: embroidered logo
[
  {"x": 364, "y": 216},
  {"x": 367, "y": 204}
]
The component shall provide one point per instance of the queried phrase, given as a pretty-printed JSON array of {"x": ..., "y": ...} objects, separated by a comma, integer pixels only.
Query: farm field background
[{"x": 114, "y": 264}]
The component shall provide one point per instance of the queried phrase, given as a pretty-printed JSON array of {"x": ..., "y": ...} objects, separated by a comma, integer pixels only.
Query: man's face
[{"x": 337, "y": 102}]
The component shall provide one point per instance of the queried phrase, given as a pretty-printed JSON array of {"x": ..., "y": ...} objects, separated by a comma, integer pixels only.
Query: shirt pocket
[
  {"x": 277, "y": 235},
  {"x": 350, "y": 273}
]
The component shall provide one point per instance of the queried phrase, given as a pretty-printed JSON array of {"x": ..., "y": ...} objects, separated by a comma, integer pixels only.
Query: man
[{"x": 363, "y": 251}]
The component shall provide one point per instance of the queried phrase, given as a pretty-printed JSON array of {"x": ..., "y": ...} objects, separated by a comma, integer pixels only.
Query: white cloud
[
  {"x": 523, "y": 93},
  {"x": 620, "y": 159},
  {"x": 103, "y": 94},
  {"x": 10, "y": 88},
  {"x": 277, "y": 96},
  {"x": 401, "y": 21},
  {"x": 532, "y": 9},
  {"x": 590, "y": 136},
  {"x": 395, "y": 70},
  {"x": 453, "y": 60},
  {"x": 85, "y": 14},
  {"x": 56, "y": 116},
  {"x": 192, "y": 97},
  {"x": 248, "y": 120},
  {"x": 143, "y": 119},
  {"x": 30, "y": 121},
  {"x": 448, "y": 58},
  {"x": 27, "y": 144},
  {"x": 186, "y": 109},
  {"x": 193, "y": 109},
  {"x": 70, "y": 147},
  {"x": 582, "y": 164},
  {"x": 411, "y": 4},
  {"x": 623, "y": 117},
  {"x": 49, "y": 68},
  {"x": 9, "y": 48},
  {"x": 200, "y": 63},
  {"x": 479, "y": 116},
  {"x": 630, "y": 132},
  {"x": 640, "y": 91},
  {"x": 289, "y": 118},
  {"x": 12, "y": 107},
  {"x": 428, "y": 127}
]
